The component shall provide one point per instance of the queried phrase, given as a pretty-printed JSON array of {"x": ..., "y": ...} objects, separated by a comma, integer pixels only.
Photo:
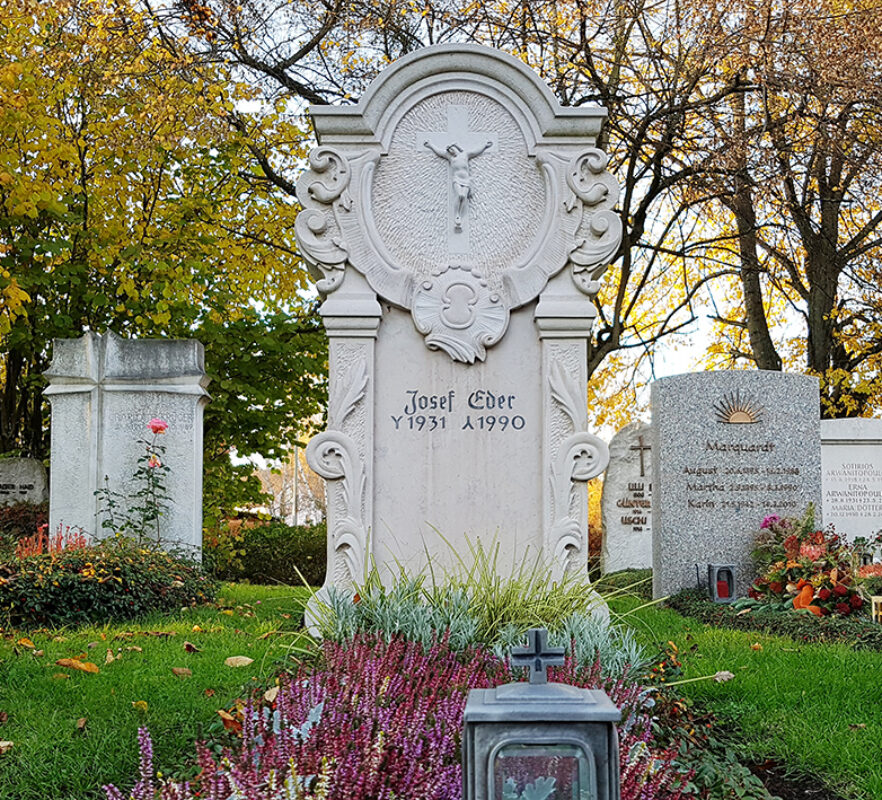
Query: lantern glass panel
[{"x": 540, "y": 771}]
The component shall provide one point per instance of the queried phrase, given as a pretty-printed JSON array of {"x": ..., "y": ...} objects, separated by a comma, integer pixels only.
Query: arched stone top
[
  {"x": 456, "y": 64},
  {"x": 458, "y": 187}
]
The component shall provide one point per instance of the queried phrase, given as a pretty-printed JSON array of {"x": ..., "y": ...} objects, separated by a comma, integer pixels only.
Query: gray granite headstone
[
  {"x": 104, "y": 390},
  {"x": 626, "y": 504},
  {"x": 728, "y": 449},
  {"x": 851, "y": 458},
  {"x": 22, "y": 480}
]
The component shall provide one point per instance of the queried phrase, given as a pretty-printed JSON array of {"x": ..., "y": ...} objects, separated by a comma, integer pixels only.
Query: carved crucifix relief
[{"x": 458, "y": 146}]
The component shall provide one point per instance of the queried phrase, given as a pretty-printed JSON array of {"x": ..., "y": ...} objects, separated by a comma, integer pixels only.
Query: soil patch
[{"x": 789, "y": 786}]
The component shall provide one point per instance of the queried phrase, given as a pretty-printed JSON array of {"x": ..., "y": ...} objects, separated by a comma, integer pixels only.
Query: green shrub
[
  {"x": 860, "y": 632},
  {"x": 626, "y": 582},
  {"x": 20, "y": 520},
  {"x": 270, "y": 553},
  {"x": 111, "y": 580}
]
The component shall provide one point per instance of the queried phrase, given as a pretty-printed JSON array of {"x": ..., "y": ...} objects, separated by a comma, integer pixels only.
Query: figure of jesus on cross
[
  {"x": 461, "y": 174},
  {"x": 457, "y": 145}
]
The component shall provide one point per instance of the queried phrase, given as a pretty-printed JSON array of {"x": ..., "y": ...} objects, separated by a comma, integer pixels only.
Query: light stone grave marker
[
  {"x": 851, "y": 459},
  {"x": 626, "y": 503},
  {"x": 22, "y": 480},
  {"x": 104, "y": 390},
  {"x": 457, "y": 221},
  {"x": 728, "y": 449}
]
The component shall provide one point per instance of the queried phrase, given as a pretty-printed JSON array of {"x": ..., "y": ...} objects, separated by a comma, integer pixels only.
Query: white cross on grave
[{"x": 458, "y": 146}]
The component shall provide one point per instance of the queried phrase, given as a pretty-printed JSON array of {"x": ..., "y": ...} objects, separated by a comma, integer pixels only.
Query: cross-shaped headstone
[
  {"x": 537, "y": 655},
  {"x": 458, "y": 145},
  {"x": 641, "y": 447}
]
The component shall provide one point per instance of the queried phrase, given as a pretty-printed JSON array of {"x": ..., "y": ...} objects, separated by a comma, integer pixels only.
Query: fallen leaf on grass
[
  {"x": 191, "y": 648},
  {"x": 110, "y": 657},
  {"x": 140, "y": 705},
  {"x": 228, "y": 611},
  {"x": 5, "y": 747},
  {"x": 743, "y": 612},
  {"x": 285, "y": 616},
  {"x": 182, "y": 672},
  {"x": 25, "y": 642},
  {"x": 61, "y": 675},
  {"x": 37, "y": 653},
  {"x": 756, "y": 646},
  {"x": 196, "y": 629},
  {"x": 4, "y": 717},
  {"x": 858, "y": 726},
  {"x": 81, "y": 724},
  {"x": 209, "y": 693},
  {"x": 238, "y": 661},
  {"x": 230, "y": 722},
  {"x": 268, "y": 634},
  {"x": 271, "y": 694},
  {"x": 724, "y": 675},
  {"x": 75, "y": 663},
  {"x": 93, "y": 644},
  {"x": 135, "y": 648}
]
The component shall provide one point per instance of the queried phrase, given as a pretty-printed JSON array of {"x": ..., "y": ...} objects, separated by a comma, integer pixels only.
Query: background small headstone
[
  {"x": 851, "y": 461},
  {"x": 104, "y": 390},
  {"x": 728, "y": 449},
  {"x": 22, "y": 480},
  {"x": 626, "y": 505}
]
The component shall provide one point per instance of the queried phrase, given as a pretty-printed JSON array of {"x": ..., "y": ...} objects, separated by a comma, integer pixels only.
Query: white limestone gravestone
[
  {"x": 104, "y": 390},
  {"x": 728, "y": 448},
  {"x": 851, "y": 461},
  {"x": 457, "y": 220},
  {"x": 22, "y": 480},
  {"x": 626, "y": 503}
]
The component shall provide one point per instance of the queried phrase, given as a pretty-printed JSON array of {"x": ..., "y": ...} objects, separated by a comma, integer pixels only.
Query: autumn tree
[
  {"x": 127, "y": 202},
  {"x": 801, "y": 155},
  {"x": 743, "y": 134}
]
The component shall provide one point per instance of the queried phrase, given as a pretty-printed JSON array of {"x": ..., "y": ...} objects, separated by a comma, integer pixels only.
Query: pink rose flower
[
  {"x": 812, "y": 551},
  {"x": 157, "y": 425},
  {"x": 154, "y": 461}
]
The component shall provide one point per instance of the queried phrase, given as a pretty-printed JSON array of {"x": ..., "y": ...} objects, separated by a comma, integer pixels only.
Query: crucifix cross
[
  {"x": 642, "y": 448},
  {"x": 537, "y": 655},
  {"x": 458, "y": 146}
]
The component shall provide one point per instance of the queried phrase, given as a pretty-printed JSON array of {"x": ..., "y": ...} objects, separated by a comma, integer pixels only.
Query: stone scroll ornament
[
  {"x": 593, "y": 192},
  {"x": 458, "y": 187},
  {"x": 335, "y": 457},
  {"x": 580, "y": 458}
]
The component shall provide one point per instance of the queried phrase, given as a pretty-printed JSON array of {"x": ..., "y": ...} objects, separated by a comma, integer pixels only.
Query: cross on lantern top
[{"x": 537, "y": 655}]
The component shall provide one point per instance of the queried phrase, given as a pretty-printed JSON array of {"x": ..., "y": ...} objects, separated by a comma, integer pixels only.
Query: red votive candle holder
[{"x": 722, "y": 588}]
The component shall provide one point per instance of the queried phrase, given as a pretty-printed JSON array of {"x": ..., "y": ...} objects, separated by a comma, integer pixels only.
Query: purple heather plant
[{"x": 380, "y": 720}]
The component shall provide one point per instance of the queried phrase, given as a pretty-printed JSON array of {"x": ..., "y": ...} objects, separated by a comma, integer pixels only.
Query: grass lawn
[
  {"x": 51, "y": 758},
  {"x": 816, "y": 708}
]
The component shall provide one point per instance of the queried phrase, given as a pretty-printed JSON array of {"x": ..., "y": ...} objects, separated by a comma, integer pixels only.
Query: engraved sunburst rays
[{"x": 734, "y": 409}]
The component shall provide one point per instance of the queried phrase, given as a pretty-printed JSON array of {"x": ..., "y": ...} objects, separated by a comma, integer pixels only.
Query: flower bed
[
  {"x": 382, "y": 719},
  {"x": 803, "y": 568}
]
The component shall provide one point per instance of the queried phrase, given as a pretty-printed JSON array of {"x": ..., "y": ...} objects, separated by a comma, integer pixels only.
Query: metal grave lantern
[
  {"x": 540, "y": 740},
  {"x": 721, "y": 582}
]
